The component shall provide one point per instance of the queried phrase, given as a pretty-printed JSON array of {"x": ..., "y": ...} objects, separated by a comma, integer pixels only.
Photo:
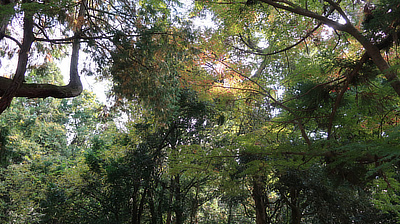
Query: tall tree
[
  {"x": 113, "y": 32},
  {"x": 40, "y": 147},
  {"x": 329, "y": 85}
]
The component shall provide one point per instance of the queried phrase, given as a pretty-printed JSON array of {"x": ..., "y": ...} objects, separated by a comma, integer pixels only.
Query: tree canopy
[{"x": 273, "y": 112}]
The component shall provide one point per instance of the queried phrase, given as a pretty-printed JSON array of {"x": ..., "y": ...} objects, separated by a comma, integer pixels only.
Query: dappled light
[{"x": 217, "y": 111}]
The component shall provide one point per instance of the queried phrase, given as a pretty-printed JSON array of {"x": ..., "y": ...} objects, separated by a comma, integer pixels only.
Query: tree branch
[
  {"x": 259, "y": 52},
  {"x": 34, "y": 90},
  {"x": 304, "y": 12},
  {"x": 11, "y": 38},
  {"x": 372, "y": 50},
  {"x": 17, "y": 88},
  {"x": 339, "y": 9},
  {"x": 19, "y": 76},
  {"x": 339, "y": 98}
]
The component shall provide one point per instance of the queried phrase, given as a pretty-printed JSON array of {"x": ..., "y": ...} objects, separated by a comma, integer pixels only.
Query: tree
[
  {"x": 211, "y": 132},
  {"x": 42, "y": 173},
  {"x": 36, "y": 153},
  {"x": 371, "y": 46},
  {"x": 333, "y": 93},
  {"x": 113, "y": 33},
  {"x": 38, "y": 18}
]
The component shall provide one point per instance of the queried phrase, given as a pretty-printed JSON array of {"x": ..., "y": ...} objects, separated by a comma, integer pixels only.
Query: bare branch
[
  {"x": 13, "y": 39},
  {"x": 286, "y": 48},
  {"x": 339, "y": 9},
  {"x": 307, "y": 13},
  {"x": 34, "y": 90},
  {"x": 42, "y": 31}
]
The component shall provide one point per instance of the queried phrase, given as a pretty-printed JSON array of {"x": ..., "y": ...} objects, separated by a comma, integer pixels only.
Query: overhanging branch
[
  {"x": 34, "y": 90},
  {"x": 16, "y": 87}
]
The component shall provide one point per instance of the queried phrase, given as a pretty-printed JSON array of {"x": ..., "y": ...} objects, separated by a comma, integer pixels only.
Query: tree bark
[
  {"x": 296, "y": 214},
  {"x": 293, "y": 205},
  {"x": 229, "y": 212},
  {"x": 376, "y": 56},
  {"x": 195, "y": 205},
  {"x": 28, "y": 38},
  {"x": 178, "y": 201},
  {"x": 259, "y": 201},
  {"x": 171, "y": 194},
  {"x": 33, "y": 90},
  {"x": 135, "y": 207},
  {"x": 16, "y": 87},
  {"x": 141, "y": 205},
  {"x": 152, "y": 207}
]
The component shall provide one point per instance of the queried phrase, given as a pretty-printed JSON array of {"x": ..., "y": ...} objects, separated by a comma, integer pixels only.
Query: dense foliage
[{"x": 273, "y": 112}]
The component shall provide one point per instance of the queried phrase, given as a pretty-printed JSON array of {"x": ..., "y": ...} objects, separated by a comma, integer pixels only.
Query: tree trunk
[
  {"x": 19, "y": 77},
  {"x": 230, "y": 205},
  {"x": 152, "y": 207},
  {"x": 258, "y": 196},
  {"x": 141, "y": 205},
  {"x": 178, "y": 201},
  {"x": 134, "y": 210},
  {"x": 296, "y": 214},
  {"x": 195, "y": 205},
  {"x": 171, "y": 193}
]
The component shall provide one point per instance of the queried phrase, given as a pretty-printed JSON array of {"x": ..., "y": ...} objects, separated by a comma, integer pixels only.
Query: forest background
[{"x": 281, "y": 112}]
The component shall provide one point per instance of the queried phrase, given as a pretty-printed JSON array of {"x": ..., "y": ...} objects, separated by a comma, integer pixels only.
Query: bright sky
[{"x": 89, "y": 83}]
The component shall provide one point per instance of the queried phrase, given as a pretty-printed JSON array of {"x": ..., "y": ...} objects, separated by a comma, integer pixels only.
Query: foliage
[
  {"x": 268, "y": 116},
  {"x": 40, "y": 163}
]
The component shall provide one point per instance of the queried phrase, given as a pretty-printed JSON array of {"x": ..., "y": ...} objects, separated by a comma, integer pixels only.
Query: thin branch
[
  {"x": 301, "y": 11},
  {"x": 250, "y": 45},
  {"x": 42, "y": 30},
  {"x": 258, "y": 52},
  {"x": 268, "y": 94},
  {"x": 309, "y": 33},
  {"x": 339, "y": 98},
  {"x": 244, "y": 76},
  {"x": 319, "y": 85},
  {"x": 100, "y": 10},
  {"x": 339, "y": 9},
  {"x": 108, "y": 37},
  {"x": 13, "y": 39}
]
